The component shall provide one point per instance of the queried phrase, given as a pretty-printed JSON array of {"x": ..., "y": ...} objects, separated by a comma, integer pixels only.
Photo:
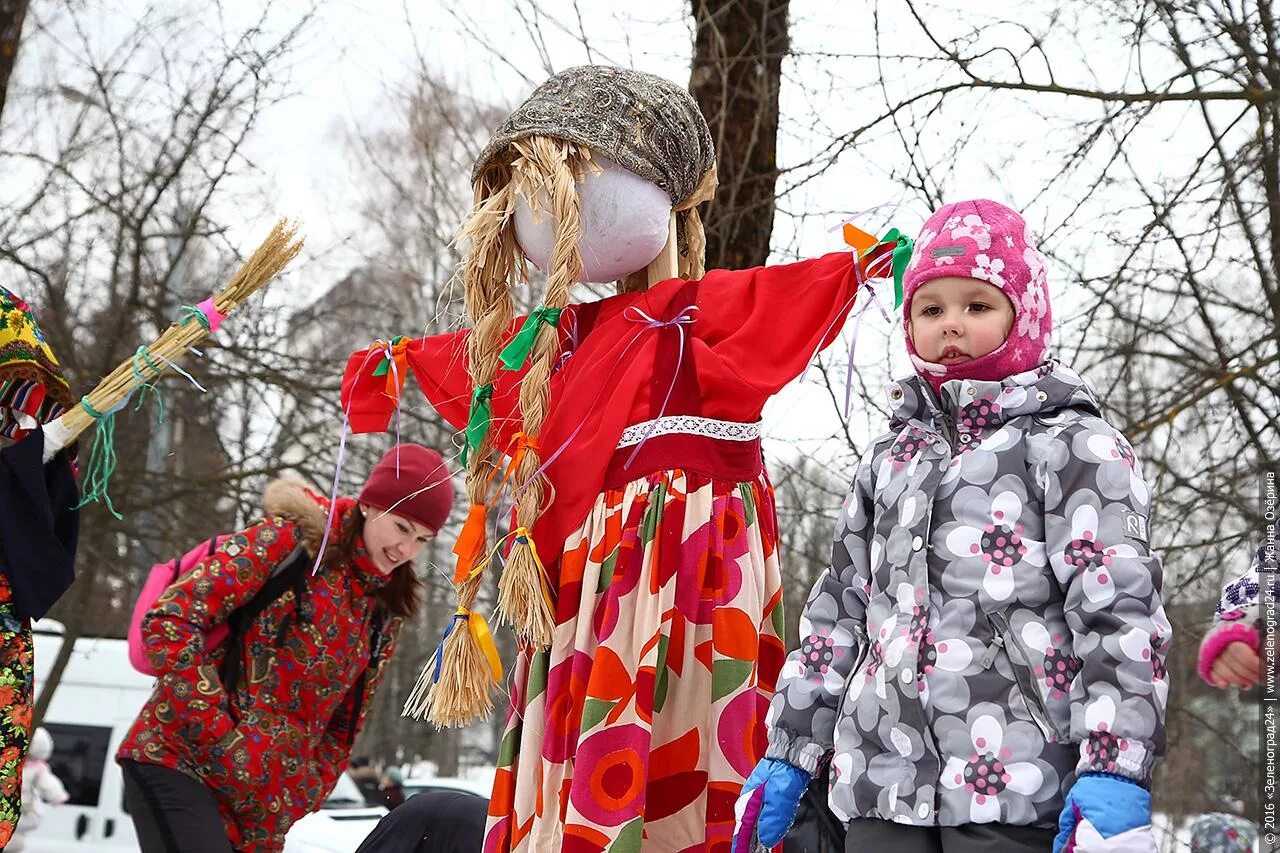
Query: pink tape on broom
[
  {"x": 210, "y": 311},
  {"x": 745, "y": 840}
]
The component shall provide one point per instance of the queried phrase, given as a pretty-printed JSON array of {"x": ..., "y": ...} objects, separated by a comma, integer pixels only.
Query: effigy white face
[{"x": 625, "y": 224}]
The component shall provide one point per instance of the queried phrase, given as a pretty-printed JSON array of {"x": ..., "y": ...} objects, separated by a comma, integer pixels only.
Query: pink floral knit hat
[{"x": 988, "y": 241}]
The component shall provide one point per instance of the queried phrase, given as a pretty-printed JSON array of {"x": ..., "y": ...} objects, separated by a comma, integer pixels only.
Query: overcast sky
[{"x": 359, "y": 56}]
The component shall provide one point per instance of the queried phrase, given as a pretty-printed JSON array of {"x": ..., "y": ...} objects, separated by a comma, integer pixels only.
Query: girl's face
[
  {"x": 392, "y": 539},
  {"x": 954, "y": 319}
]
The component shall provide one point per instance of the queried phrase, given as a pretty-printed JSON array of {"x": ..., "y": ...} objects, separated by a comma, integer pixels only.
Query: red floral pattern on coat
[{"x": 274, "y": 750}]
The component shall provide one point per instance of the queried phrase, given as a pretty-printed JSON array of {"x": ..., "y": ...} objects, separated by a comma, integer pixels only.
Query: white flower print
[
  {"x": 1083, "y": 555},
  {"x": 989, "y": 269},
  {"x": 1113, "y": 448},
  {"x": 1059, "y": 667},
  {"x": 973, "y": 227},
  {"x": 922, "y": 248},
  {"x": 985, "y": 775},
  {"x": 999, "y": 544}
]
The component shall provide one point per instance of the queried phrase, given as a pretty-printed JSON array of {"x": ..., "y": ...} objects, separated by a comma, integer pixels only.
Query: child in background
[
  {"x": 985, "y": 655},
  {"x": 41, "y": 789},
  {"x": 1229, "y": 651}
]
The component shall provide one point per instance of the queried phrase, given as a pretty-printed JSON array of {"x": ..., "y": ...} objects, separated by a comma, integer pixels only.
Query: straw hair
[
  {"x": 263, "y": 265},
  {"x": 545, "y": 171},
  {"x": 464, "y": 689}
]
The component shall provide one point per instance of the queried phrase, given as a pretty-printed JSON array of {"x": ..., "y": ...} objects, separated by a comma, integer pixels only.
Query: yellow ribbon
[
  {"x": 524, "y": 537},
  {"x": 480, "y": 632}
]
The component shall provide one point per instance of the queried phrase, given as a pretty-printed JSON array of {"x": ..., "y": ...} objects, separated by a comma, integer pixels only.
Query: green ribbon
[
  {"x": 514, "y": 354},
  {"x": 384, "y": 366},
  {"x": 478, "y": 421},
  {"x": 899, "y": 259},
  {"x": 102, "y": 459},
  {"x": 191, "y": 312},
  {"x": 141, "y": 355}
]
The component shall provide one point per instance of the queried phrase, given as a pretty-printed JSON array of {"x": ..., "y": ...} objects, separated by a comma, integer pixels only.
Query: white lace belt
[{"x": 690, "y": 425}]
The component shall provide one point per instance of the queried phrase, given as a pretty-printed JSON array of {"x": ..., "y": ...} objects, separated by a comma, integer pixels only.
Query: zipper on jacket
[{"x": 1022, "y": 674}]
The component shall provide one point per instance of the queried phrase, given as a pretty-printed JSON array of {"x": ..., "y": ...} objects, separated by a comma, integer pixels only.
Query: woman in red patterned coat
[{"x": 212, "y": 770}]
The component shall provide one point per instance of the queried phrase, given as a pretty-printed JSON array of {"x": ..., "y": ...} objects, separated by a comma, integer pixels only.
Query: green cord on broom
[{"x": 102, "y": 458}]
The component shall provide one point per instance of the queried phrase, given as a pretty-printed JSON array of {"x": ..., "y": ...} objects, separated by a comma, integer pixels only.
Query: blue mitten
[
  {"x": 768, "y": 803},
  {"x": 1104, "y": 808}
]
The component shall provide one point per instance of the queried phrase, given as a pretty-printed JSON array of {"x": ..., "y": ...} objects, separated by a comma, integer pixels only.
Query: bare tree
[
  {"x": 12, "y": 13},
  {"x": 126, "y": 151},
  {"x": 736, "y": 75}
]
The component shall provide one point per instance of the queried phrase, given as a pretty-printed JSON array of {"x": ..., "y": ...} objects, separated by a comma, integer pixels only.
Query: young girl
[
  {"x": 211, "y": 770},
  {"x": 987, "y": 649},
  {"x": 1229, "y": 651}
]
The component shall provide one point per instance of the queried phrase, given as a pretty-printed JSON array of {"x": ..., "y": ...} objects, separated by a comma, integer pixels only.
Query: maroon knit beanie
[{"x": 412, "y": 481}]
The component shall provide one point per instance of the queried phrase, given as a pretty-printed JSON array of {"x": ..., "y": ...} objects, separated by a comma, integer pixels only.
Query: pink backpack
[{"x": 161, "y": 577}]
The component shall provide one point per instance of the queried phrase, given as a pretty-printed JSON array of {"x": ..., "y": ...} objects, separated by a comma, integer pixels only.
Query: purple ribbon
[
  {"x": 678, "y": 322},
  {"x": 607, "y": 383},
  {"x": 337, "y": 472}
]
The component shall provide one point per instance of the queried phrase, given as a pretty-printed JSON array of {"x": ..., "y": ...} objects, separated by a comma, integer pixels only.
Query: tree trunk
[
  {"x": 11, "y": 14},
  {"x": 736, "y": 75}
]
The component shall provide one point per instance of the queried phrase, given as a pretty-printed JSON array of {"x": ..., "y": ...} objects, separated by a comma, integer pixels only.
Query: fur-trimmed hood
[{"x": 292, "y": 499}]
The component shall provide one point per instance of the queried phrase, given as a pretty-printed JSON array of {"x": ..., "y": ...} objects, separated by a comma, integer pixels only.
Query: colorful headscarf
[
  {"x": 640, "y": 121},
  {"x": 31, "y": 379}
]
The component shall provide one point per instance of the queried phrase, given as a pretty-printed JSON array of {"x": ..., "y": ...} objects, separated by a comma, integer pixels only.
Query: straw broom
[{"x": 277, "y": 250}]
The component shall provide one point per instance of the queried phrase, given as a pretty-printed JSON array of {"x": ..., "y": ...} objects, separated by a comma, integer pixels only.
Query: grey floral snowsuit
[{"x": 991, "y": 622}]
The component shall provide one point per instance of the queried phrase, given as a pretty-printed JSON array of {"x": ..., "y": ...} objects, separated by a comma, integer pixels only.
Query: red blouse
[{"x": 749, "y": 333}]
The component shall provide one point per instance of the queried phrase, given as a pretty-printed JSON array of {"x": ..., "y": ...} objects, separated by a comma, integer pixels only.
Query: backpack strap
[
  {"x": 376, "y": 640},
  {"x": 289, "y": 574}
]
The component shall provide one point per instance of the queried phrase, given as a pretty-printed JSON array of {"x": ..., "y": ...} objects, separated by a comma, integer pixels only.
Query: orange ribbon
[
  {"x": 470, "y": 542},
  {"x": 398, "y": 352}
]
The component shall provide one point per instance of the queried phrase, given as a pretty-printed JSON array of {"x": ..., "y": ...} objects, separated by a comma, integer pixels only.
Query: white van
[{"x": 97, "y": 701}]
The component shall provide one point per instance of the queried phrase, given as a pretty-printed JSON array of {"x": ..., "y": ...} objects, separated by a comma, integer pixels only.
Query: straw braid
[
  {"x": 462, "y": 689},
  {"x": 522, "y": 601}
]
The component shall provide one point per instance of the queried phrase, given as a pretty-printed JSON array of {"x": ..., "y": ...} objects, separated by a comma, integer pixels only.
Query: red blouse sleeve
[
  {"x": 440, "y": 364},
  {"x": 767, "y": 323}
]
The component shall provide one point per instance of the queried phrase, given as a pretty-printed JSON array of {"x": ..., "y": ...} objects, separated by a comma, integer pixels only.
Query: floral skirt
[
  {"x": 16, "y": 674},
  {"x": 637, "y": 728}
]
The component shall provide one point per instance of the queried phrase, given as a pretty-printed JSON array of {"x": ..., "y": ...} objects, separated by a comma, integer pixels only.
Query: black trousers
[
  {"x": 878, "y": 836},
  {"x": 172, "y": 813}
]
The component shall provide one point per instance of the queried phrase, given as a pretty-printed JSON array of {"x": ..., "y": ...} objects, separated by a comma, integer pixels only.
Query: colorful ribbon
[
  {"x": 683, "y": 318},
  {"x": 394, "y": 364},
  {"x": 102, "y": 457},
  {"x": 524, "y": 537},
  {"x": 206, "y": 314},
  {"x": 470, "y": 543},
  {"x": 480, "y": 632},
  {"x": 478, "y": 419},
  {"x": 515, "y": 353},
  {"x": 901, "y": 258}
]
